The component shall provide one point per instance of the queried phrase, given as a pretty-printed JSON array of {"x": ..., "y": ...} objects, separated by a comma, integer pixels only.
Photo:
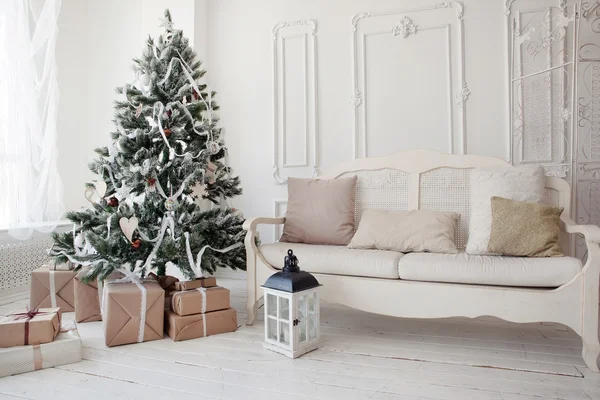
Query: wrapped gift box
[
  {"x": 200, "y": 301},
  {"x": 196, "y": 283},
  {"x": 199, "y": 325},
  {"x": 168, "y": 283},
  {"x": 50, "y": 289},
  {"x": 68, "y": 266},
  {"x": 65, "y": 349},
  {"x": 20, "y": 328},
  {"x": 87, "y": 296},
  {"x": 132, "y": 312}
]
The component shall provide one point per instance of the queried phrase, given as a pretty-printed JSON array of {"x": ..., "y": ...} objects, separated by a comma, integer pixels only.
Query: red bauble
[
  {"x": 113, "y": 202},
  {"x": 136, "y": 244},
  {"x": 167, "y": 132},
  {"x": 151, "y": 181},
  {"x": 195, "y": 95}
]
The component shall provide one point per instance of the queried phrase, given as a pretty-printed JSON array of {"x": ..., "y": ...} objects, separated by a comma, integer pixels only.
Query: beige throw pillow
[
  {"x": 406, "y": 231},
  {"x": 320, "y": 211},
  {"x": 524, "y": 229}
]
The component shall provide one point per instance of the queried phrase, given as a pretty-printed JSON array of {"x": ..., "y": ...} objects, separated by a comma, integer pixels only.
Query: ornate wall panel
[
  {"x": 542, "y": 89},
  {"x": 295, "y": 99},
  {"x": 588, "y": 119},
  {"x": 408, "y": 87}
]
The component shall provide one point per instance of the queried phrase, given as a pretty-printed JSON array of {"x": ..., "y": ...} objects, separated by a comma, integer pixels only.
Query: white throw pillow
[
  {"x": 525, "y": 183},
  {"x": 406, "y": 231}
]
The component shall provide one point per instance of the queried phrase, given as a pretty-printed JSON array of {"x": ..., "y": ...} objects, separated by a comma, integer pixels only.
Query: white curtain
[{"x": 30, "y": 187}]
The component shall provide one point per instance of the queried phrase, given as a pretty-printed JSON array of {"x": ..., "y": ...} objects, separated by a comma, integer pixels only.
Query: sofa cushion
[
  {"x": 320, "y": 211},
  {"x": 524, "y": 183},
  {"x": 524, "y": 229},
  {"x": 335, "y": 260},
  {"x": 406, "y": 231},
  {"x": 488, "y": 270}
]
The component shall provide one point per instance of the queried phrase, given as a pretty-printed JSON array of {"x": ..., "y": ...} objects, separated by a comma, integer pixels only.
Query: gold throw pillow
[{"x": 524, "y": 229}]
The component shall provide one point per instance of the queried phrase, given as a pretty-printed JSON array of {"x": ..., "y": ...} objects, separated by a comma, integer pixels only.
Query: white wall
[
  {"x": 240, "y": 55},
  {"x": 234, "y": 39},
  {"x": 97, "y": 41}
]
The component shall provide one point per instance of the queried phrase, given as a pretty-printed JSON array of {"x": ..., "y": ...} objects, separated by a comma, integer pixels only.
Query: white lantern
[{"x": 292, "y": 310}]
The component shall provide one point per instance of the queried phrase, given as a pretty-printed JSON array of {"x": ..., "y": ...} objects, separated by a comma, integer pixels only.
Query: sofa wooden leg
[
  {"x": 251, "y": 311},
  {"x": 590, "y": 353}
]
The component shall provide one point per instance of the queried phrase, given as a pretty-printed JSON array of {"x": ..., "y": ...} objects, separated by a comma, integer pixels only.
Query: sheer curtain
[{"x": 30, "y": 187}]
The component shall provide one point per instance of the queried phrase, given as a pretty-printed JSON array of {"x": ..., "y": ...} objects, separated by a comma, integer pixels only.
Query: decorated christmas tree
[{"x": 166, "y": 156}]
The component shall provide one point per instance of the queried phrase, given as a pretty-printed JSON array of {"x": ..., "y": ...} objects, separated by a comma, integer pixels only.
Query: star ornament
[{"x": 165, "y": 23}]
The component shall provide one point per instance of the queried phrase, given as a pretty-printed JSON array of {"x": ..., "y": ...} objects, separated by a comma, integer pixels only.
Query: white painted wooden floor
[{"x": 365, "y": 356}]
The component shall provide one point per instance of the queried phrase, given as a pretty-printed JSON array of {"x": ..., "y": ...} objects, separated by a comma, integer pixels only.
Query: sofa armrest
[
  {"x": 590, "y": 232},
  {"x": 251, "y": 223}
]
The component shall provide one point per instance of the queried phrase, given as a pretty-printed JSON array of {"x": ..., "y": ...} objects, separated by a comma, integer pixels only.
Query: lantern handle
[{"x": 290, "y": 264}]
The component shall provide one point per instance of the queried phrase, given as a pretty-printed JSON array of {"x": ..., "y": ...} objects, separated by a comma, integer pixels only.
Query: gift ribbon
[
  {"x": 197, "y": 266},
  {"x": 52, "y": 289},
  {"x": 27, "y": 316},
  {"x": 202, "y": 290},
  {"x": 37, "y": 357},
  {"x": 100, "y": 287}
]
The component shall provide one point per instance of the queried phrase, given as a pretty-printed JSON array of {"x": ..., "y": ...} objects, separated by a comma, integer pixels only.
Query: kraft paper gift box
[
  {"x": 200, "y": 301},
  {"x": 132, "y": 312},
  {"x": 87, "y": 296},
  {"x": 68, "y": 266},
  {"x": 50, "y": 289},
  {"x": 196, "y": 283},
  {"x": 199, "y": 325},
  {"x": 166, "y": 282},
  {"x": 31, "y": 327},
  {"x": 65, "y": 349}
]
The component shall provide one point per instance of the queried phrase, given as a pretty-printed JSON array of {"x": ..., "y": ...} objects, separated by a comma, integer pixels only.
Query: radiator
[{"x": 19, "y": 258}]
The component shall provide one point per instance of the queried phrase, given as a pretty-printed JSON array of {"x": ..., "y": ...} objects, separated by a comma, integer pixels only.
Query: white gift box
[
  {"x": 68, "y": 266},
  {"x": 65, "y": 349}
]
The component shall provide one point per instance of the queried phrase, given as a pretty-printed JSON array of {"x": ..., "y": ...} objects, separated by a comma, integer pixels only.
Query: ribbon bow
[{"x": 27, "y": 316}]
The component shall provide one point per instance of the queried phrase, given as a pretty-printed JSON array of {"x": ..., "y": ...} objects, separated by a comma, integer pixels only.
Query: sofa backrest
[{"x": 428, "y": 180}]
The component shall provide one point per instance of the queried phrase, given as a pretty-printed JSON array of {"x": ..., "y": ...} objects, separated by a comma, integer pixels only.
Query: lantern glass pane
[
  {"x": 311, "y": 303},
  {"x": 272, "y": 329},
  {"x": 302, "y": 307},
  {"x": 284, "y": 332},
  {"x": 272, "y": 305},
  {"x": 312, "y": 327},
  {"x": 302, "y": 329},
  {"x": 284, "y": 308}
]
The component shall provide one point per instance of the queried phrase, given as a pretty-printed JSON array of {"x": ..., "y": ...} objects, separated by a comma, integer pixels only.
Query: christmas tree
[{"x": 166, "y": 155}]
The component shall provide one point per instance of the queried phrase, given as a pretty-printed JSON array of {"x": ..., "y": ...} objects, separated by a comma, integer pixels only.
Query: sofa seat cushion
[
  {"x": 488, "y": 270},
  {"x": 335, "y": 260}
]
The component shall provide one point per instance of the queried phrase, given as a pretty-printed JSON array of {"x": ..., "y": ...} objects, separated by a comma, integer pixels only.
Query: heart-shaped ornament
[
  {"x": 100, "y": 188},
  {"x": 94, "y": 194},
  {"x": 128, "y": 226}
]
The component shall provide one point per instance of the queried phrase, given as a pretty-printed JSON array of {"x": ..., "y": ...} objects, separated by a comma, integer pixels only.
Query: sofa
[{"x": 429, "y": 285}]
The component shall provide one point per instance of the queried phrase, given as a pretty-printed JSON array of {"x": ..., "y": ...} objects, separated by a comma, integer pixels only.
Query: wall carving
[
  {"x": 406, "y": 25},
  {"x": 295, "y": 143}
]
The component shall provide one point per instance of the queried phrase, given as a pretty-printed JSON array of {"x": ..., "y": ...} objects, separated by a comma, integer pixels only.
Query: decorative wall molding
[
  {"x": 557, "y": 171},
  {"x": 306, "y": 31},
  {"x": 405, "y": 28},
  {"x": 462, "y": 95},
  {"x": 311, "y": 23},
  {"x": 412, "y": 22},
  {"x": 356, "y": 99},
  {"x": 279, "y": 210},
  {"x": 589, "y": 171}
]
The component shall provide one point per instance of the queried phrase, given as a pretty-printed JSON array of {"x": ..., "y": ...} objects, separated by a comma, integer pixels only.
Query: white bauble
[
  {"x": 78, "y": 242},
  {"x": 145, "y": 79}
]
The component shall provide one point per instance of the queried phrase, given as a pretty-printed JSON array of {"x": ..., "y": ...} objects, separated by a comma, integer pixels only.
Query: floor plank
[{"x": 363, "y": 356}]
